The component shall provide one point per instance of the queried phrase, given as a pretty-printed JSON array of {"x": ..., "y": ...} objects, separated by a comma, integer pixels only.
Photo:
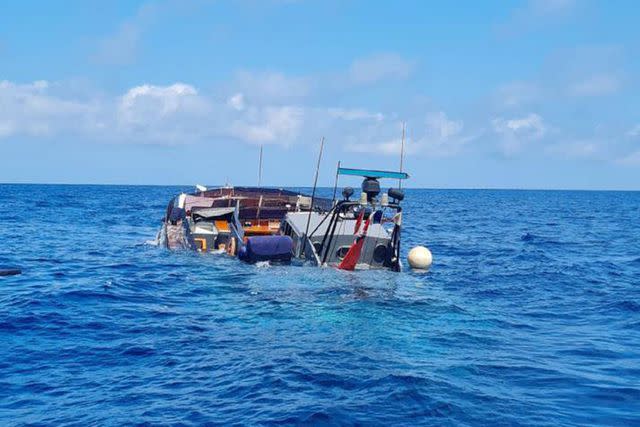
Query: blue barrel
[{"x": 267, "y": 248}]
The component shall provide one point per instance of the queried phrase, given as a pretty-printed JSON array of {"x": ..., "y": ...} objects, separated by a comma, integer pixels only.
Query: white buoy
[{"x": 420, "y": 258}]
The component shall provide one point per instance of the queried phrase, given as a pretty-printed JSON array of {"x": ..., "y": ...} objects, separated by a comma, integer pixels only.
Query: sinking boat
[
  {"x": 216, "y": 219},
  {"x": 354, "y": 234},
  {"x": 259, "y": 224}
]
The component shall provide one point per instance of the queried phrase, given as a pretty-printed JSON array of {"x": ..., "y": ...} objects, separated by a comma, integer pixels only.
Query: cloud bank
[{"x": 179, "y": 113}]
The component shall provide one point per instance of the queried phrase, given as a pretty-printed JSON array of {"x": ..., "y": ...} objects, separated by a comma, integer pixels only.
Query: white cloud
[
  {"x": 597, "y": 85},
  {"x": 31, "y": 109},
  {"x": 579, "y": 72},
  {"x": 163, "y": 99},
  {"x": 437, "y": 136},
  {"x": 178, "y": 113},
  {"x": 518, "y": 131},
  {"x": 632, "y": 159},
  {"x": 531, "y": 126},
  {"x": 634, "y": 132},
  {"x": 271, "y": 86},
  {"x": 535, "y": 14},
  {"x": 587, "y": 71},
  {"x": 277, "y": 125},
  {"x": 516, "y": 94},
  {"x": 354, "y": 114},
  {"x": 442, "y": 136},
  {"x": 441, "y": 128},
  {"x": 579, "y": 149},
  {"x": 236, "y": 102},
  {"x": 162, "y": 114},
  {"x": 267, "y": 87},
  {"x": 171, "y": 114},
  {"x": 393, "y": 146},
  {"x": 378, "y": 67}
]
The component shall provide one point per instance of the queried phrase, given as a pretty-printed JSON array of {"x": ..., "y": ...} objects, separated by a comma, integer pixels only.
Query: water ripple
[{"x": 529, "y": 316}]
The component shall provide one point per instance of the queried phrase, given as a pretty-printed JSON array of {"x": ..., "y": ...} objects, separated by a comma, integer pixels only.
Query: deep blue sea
[{"x": 530, "y": 315}]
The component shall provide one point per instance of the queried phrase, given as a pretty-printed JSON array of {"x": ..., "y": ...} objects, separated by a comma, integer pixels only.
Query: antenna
[
  {"x": 260, "y": 168},
  {"x": 335, "y": 186},
  {"x": 404, "y": 125},
  {"x": 315, "y": 183}
]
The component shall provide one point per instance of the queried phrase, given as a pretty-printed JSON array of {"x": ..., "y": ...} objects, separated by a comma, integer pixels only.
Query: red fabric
[
  {"x": 353, "y": 255},
  {"x": 358, "y": 222}
]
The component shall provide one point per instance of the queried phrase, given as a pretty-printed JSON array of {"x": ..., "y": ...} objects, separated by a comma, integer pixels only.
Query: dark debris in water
[{"x": 9, "y": 271}]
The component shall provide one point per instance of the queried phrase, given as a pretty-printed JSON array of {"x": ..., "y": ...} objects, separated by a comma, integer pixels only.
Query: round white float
[{"x": 420, "y": 258}]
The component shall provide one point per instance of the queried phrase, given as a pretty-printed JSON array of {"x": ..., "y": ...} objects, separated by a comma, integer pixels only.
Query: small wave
[
  {"x": 527, "y": 237},
  {"x": 539, "y": 240},
  {"x": 626, "y": 305},
  {"x": 87, "y": 294},
  {"x": 138, "y": 351},
  {"x": 9, "y": 327},
  {"x": 318, "y": 418}
]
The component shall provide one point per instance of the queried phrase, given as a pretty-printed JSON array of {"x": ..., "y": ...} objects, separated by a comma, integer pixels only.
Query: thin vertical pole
[
  {"x": 315, "y": 183},
  {"x": 402, "y": 153},
  {"x": 260, "y": 168},
  {"x": 335, "y": 186}
]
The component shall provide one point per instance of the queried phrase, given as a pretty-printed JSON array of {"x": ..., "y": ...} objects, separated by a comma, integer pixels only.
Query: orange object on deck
[
  {"x": 202, "y": 243},
  {"x": 261, "y": 227},
  {"x": 222, "y": 225}
]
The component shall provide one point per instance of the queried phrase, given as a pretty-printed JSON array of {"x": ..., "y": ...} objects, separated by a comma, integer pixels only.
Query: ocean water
[{"x": 530, "y": 315}]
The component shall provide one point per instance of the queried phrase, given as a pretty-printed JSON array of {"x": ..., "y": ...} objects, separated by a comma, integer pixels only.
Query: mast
[
  {"x": 335, "y": 186},
  {"x": 260, "y": 168},
  {"x": 315, "y": 184}
]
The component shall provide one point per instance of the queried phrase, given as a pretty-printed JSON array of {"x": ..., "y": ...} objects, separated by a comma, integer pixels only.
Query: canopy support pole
[{"x": 315, "y": 184}]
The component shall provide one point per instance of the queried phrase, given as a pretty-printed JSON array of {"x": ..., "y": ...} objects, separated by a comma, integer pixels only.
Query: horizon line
[{"x": 330, "y": 187}]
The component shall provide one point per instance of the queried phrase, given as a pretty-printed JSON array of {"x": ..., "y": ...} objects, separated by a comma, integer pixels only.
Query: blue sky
[{"x": 495, "y": 94}]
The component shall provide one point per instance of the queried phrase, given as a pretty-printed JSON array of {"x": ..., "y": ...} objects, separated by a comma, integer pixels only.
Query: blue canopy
[{"x": 368, "y": 173}]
